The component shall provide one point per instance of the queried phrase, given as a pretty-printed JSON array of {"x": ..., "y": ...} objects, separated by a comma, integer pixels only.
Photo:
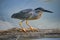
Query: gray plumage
[{"x": 30, "y": 14}]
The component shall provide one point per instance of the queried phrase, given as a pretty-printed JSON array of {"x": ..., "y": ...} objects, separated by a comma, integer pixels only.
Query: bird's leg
[
  {"x": 31, "y": 28},
  {"x": 23, "y": 29}
]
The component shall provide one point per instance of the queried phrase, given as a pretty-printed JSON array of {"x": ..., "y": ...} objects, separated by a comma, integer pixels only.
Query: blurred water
[
  {"x": 42, "y": 39},
  {"x": 31, "y": 39}
]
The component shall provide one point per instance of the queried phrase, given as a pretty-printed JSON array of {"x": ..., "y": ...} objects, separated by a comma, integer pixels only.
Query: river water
[{"x": 42, "y": 39}]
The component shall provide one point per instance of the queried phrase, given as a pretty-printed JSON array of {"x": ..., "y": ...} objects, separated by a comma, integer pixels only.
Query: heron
[{"x": 29, "y": 14}]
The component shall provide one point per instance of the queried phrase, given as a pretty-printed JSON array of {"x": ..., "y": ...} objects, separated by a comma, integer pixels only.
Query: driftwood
[{"x": 19, "y": 33}]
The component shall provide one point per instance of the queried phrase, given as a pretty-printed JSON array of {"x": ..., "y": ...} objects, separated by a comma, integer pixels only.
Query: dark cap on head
[
  {"x": 42, "y": 9},
  {"x": 39, "y": 8}
]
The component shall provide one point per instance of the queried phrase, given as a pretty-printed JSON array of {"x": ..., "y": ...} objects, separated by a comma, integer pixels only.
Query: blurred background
[{"x": 47, "y": 21}]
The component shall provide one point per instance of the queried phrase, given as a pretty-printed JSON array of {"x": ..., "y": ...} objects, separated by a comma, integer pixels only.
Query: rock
[{"x": 14, "y": 33}]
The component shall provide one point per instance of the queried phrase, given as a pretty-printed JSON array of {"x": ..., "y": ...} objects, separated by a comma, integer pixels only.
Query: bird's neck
[{"x": 40, "y": 13}]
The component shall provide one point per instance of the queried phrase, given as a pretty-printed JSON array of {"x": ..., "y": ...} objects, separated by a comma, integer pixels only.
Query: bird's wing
[
  {"x": 24, "y": 14},
  {"x": 26, "y": 11}
]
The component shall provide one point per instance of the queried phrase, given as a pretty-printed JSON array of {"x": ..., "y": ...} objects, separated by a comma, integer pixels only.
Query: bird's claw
[
  {"x": 33, "y": 29},
  {"x": 29, "y": 29},
  {"x": 23, "y": 30}
]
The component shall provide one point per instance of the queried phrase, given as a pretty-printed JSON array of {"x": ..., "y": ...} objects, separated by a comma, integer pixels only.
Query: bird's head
[{"x": 39, "y": 9}]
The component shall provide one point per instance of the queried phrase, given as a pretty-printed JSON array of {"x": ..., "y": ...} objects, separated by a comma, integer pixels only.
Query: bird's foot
[
  {"x": 33, "y": 29},
  {"x": 23, "y": 30}
]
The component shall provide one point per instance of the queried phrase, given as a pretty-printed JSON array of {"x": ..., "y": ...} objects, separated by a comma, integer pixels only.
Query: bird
[{"x": 29, "y": 14}]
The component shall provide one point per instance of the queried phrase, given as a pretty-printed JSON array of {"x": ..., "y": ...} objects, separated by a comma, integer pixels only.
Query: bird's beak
[{"x": 47, "y": 11}]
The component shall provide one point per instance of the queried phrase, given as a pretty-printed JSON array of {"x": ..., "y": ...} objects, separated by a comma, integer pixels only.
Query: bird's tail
[{"x": 14, "y": 16}]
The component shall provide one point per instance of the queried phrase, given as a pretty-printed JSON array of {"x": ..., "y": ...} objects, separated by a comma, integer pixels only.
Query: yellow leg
[
  {"x": 23, "y": 29},
  {"x": 20, "y": 24},
  {"x": 31, "y": 28}
]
